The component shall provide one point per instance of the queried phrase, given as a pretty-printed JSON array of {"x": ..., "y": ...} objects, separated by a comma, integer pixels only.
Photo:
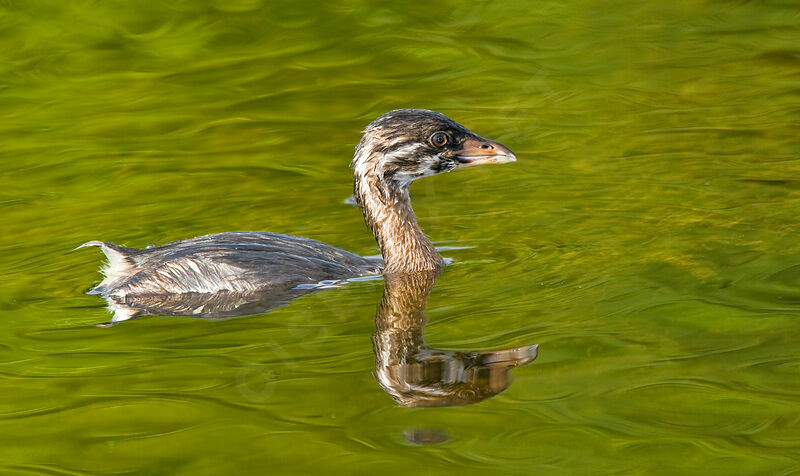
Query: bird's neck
[{"x": 387, "y": 210}]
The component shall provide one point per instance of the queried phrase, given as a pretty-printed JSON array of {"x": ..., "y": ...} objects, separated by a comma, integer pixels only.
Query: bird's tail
[{"x": 119, "y": 268}]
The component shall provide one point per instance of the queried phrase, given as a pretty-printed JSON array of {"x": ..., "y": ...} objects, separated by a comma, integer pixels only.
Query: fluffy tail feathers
[{"x": 119, "y": 268}]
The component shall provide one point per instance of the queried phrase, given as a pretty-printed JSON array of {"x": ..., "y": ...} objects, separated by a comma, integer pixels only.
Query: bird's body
[
  {"x": 396, "y": 149},
  {"x": 240, "y": 262}
]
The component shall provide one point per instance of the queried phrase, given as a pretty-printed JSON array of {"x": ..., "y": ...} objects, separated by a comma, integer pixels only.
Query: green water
[{"x": 646, "y": 239}]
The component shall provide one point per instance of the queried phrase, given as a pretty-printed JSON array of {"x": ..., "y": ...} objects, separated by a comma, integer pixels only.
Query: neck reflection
[{"x": 416, "y": 375}]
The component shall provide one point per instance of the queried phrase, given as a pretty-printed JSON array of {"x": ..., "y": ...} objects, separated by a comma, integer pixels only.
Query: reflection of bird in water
[
  {"x": 219, "y": 305},
  {"x": 411, "y": 372},
  {"x": 418, "y": 376},
  {"x": 396, "y": 149}
]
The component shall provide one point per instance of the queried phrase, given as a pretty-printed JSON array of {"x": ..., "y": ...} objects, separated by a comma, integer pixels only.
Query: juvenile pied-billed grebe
[{"x": 396, "y": 149}]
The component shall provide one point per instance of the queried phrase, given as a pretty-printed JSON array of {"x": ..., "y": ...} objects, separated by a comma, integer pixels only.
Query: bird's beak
[{"x": 479, "y": 151}]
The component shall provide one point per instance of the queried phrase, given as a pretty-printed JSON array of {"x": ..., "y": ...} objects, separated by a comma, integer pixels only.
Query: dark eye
[{"x": 438, "y": 139}]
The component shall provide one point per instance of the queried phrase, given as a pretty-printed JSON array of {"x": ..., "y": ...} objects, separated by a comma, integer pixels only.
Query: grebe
[{"x": 396, "y": 149}]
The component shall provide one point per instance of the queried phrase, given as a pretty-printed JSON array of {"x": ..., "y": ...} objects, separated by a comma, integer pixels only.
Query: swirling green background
[{"x": 647, "y": 237}]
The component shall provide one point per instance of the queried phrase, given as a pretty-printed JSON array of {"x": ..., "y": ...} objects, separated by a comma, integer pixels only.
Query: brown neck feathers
[{"x": 387, "y": 210}]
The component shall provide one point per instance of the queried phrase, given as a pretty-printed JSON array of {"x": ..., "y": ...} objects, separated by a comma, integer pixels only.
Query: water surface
[{"x": 647, "y": 238}]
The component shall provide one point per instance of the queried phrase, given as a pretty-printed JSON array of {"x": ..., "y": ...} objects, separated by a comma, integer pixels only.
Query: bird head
[{"x": 407, "y": 144}]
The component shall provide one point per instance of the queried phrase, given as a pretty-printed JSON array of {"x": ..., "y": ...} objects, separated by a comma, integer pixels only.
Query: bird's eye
[{"x": 438, "y": 139}]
